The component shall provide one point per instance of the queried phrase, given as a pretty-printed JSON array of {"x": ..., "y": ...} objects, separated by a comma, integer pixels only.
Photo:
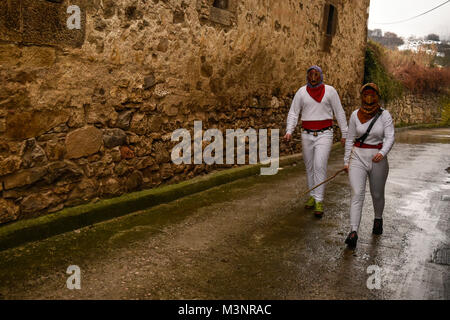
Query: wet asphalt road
[{"x": 252, "y": 239}]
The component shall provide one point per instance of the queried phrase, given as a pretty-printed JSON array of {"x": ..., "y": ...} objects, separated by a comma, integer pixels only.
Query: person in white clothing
[
  {"x": 366, "y": 157},
  {"x": 317, "y": 103}
]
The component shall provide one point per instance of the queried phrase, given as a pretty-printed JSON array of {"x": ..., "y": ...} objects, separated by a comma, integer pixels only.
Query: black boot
[
  {"x": 351, "y": 240},
  {"x": 377, "y": 226}
]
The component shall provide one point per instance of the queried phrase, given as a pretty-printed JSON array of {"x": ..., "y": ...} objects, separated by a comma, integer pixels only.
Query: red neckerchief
[{"x": 317, "y": 93}]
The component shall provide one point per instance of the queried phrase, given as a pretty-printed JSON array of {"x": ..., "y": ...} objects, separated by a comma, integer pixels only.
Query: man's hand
[
  {"x": 378, "y": 157},
  {"x": 343, "y": 142},
  {"x": 346, "y": 168},
  {"x": 288, "y": 137}
]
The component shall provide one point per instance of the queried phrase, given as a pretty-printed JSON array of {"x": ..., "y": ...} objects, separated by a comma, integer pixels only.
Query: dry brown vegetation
[{"x": 416, "y": 71}]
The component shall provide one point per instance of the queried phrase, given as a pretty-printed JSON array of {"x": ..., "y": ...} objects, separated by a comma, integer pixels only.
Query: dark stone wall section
[
  {"x": 10, "y": 26},
  {"x": 40, "y": 22}
]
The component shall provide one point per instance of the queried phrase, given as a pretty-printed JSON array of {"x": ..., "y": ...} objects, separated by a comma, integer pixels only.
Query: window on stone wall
[
  {"x": 221, "y": 4},
  {"x": 219, "y": 12},
  {"x": 331, "y": 19},
  {"x": 329, "y": 26}
]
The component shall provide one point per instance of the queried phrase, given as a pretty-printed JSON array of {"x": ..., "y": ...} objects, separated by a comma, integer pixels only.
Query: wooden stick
[{"x": 329, "y": 179}]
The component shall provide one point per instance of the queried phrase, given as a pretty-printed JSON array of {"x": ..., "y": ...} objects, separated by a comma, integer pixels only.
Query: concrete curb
[{"x": 21, "y": 232}]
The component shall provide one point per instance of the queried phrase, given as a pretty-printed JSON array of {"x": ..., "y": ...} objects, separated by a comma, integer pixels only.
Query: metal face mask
[{"x": 314, "y": 76}]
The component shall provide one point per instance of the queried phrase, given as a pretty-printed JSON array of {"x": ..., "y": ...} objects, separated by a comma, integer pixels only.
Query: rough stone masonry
[{"x": 87, "y": 113}]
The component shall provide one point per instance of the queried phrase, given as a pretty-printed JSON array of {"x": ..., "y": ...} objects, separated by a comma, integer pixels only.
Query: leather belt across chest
[{"x": 368, "y": 146}]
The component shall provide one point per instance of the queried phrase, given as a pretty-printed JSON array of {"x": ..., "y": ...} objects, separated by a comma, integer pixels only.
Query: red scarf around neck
[{"x": 317, "y": 93}]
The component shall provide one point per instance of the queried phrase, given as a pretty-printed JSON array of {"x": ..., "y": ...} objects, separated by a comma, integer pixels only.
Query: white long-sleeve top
[
  {"x": 382, "y": 132},
  {"x": 311, "y": 110}
]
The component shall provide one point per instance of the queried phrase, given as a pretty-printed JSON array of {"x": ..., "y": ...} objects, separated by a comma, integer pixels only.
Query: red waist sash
[
  {"x": 317, "y": 125},
  {"x": 368, "y": 146}
]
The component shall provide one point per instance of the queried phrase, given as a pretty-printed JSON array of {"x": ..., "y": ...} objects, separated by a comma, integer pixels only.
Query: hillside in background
[
  {"x": 396, "y": 71},
  {"x": 431, "y": 44},
  {"x": 403, "y": 73}
]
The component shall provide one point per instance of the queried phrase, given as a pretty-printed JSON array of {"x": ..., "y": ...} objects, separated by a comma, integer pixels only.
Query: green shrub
[
  {"x": 375, "y": 71},
  {"x": 445, "y": 114}
]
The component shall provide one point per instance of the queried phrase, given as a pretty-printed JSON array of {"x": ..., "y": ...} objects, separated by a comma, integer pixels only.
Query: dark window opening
[
  {"x": 221, "y": 4},
  {"x": 330, "y": 20},
  {"x": 329, "y": 26},
  {"x": 222, "y": 13}
]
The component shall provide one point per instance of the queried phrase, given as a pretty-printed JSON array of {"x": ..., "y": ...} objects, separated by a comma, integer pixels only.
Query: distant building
[
  {"x": 375, "y": 33},
  {"x": 416, "y": 45}
]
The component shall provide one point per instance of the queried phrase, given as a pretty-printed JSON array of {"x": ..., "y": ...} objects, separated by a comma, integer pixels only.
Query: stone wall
[
  {"x": 87, "y": 112},
  {"x": 415, "y": 109}
]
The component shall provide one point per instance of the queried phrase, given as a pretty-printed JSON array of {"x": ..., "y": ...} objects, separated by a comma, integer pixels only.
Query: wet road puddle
[{"x": 423, "y": 136}]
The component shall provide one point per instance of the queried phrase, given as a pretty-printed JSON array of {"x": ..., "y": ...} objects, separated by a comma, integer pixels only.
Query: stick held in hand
[{"x": 329, "y": 179}]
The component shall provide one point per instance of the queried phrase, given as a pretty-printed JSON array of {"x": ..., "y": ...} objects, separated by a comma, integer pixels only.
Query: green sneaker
[
  {"x": 310, "y": 203},
  {"x": 318, "y": 209}
]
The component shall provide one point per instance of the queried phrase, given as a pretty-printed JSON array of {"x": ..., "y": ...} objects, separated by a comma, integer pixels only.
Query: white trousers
[
  {"x": 362, "y": 167},
  {"x": 316, "y": 151}
]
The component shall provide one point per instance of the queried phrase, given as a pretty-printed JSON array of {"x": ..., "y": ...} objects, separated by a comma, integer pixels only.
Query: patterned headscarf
[
  {"x": 370, "y": 85},
  {"x": 317, "y": 68}
]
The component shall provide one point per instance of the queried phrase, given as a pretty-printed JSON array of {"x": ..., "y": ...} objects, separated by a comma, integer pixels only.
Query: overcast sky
[{"x": 437, "y": 21}]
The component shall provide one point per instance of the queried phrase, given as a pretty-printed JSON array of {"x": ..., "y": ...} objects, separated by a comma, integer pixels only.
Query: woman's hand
[
  {"x": 378, "y": 157},
  {"x": 346, "y": 168},
  {"x": 288, "y": 137}
]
